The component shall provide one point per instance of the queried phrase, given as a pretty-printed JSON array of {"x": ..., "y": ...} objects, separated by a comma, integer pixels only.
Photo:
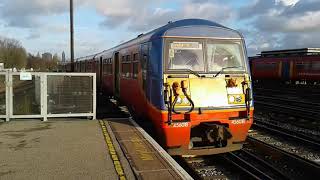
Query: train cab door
[
  {"x": 144, "y": 68},
  {"x": 116, "y": 75}
]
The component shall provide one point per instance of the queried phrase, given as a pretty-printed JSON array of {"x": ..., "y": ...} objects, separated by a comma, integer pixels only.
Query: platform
[
  {"x": 147, "y": 159},
  {"x": 114, "y": 148},
  {"x": 63, "y": 149}
]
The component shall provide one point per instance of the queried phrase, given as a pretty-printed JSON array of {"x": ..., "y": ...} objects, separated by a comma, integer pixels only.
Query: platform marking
[
  {"x": 141, "y": 149},
  {"x": 112, "y": 152}
]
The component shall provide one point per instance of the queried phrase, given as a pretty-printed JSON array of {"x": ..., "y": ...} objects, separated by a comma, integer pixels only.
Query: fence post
[
  {"x": 10, "y": 95},
  {"x": 44, "y": 96},
  {"x": 94, "y": 97},
  {"x": 7, "y": 83}
]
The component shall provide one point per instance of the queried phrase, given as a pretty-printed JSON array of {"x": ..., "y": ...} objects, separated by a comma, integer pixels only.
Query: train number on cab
[
  {"x": 240, "y": 121},
  {"x": 180, "y": 124}
]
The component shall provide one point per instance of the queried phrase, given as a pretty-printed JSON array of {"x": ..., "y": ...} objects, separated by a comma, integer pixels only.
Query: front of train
[{"x": 206, "y": 89}]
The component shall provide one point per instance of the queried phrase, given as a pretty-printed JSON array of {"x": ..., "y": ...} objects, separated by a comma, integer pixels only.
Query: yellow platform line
[{"x": 116, "y": 162}]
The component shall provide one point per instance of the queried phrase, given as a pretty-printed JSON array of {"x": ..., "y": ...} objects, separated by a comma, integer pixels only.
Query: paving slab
[{"x": 54, "y": 150}]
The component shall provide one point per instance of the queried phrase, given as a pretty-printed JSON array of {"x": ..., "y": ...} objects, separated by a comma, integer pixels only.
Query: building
[
  {"x": 63, "y": 59},
  {"x": 47, "y": 56}
]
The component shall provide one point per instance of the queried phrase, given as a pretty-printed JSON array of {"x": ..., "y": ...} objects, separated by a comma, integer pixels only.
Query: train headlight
[
  {"x": 238, "y": 99},
  {"x": 231, "y": 99}
]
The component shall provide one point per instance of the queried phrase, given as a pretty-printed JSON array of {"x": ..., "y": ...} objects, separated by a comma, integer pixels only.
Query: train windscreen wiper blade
[
  {"x": 230, "y": 67},
  {"x": 190, "y": 71},
  {"x": 194, "y": 72}
]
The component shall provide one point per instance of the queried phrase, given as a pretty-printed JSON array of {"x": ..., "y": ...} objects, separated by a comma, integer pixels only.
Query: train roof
[
  {"x": 187, "y": 27},
  {"x": 290, "y": 52}
]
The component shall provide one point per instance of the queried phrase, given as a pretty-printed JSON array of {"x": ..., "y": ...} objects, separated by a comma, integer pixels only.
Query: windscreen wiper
[
  {"x": 230, "y": 67},
  {"x": 190, "y": 71},
  {"x": 194, "y": 73}
]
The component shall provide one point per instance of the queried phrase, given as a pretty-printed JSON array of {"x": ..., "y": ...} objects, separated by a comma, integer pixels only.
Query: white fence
[{"x": 47, "y": 95}]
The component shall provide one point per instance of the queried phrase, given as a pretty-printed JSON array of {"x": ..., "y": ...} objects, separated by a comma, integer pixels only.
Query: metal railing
[{"x": 47, "y": 95}]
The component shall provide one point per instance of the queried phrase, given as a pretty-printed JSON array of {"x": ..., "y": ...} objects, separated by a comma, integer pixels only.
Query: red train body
[{"x": 289, "y": 66}]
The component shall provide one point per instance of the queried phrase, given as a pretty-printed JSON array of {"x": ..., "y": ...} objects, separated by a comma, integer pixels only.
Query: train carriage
[
  {"x": 301, "y": 66},
  {"x": 191, "y": 78}
]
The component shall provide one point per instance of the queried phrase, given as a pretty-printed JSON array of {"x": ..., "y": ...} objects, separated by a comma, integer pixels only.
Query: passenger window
[
  {"x": 126, "y": 66},
  {"x": 128, "y": 58},
  {"x": 105, "y": 65},
  {"x": 135, "y": 65},
  {"x": 109, "y": 67}
]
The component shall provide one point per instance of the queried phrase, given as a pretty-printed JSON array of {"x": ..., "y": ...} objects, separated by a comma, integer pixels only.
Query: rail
[
  {"x": 294, "y": 167},
  {"x": 307, "y": 139}
]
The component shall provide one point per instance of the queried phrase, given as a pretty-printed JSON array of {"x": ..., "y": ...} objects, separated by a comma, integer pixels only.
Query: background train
[
  {"x": 190, "y": 78},
  {"x": 294, "y": 66}
]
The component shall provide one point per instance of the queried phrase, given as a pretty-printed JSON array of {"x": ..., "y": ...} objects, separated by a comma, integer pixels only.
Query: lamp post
[{"x": 71, "y": 36}]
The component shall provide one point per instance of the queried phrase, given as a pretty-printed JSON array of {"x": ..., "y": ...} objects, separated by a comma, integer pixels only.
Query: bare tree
[{"x": 12, "y": 53}]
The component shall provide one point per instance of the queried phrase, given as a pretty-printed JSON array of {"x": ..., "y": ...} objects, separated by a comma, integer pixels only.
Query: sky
[{"x": 43, "y": 25}]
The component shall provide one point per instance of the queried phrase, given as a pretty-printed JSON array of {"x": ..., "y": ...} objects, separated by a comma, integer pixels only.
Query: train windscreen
[
  {"x": 186, "y": 55},
  {"x": 224, "y": 55},
  {"x": 207, "y": 56}
]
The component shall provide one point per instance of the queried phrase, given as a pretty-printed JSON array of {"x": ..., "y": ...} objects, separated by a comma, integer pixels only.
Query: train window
[
  {"x": 303, "y": 66},
  {"x": 135, "y": 57},
  {"x": 89, "y": 67},
  {"x": 186, "y": 55},
  {"x": 128, "y": 58},
  {"x": 315, "y": 65},
  {"x": 78, "y": 66},
  {"x": 97, "y": 66},
  {"x": 135, "y": 65},
  {"x": 126, "y": 66},
  {"x": 126, "y": 72},
  {"x": 109, "y": 67},
  {"x": 105, "y": 65},
  {"x": 265, "y": 66},
  {"x": 224, "y": 54},
  {"x": 135, "y": 69},
  {"x": 83, "y": 66}
]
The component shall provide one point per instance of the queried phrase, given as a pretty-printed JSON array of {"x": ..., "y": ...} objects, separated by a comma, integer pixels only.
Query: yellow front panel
[
  {"x": 208, "y": 92},
  {"x": 211, "y": 91}
]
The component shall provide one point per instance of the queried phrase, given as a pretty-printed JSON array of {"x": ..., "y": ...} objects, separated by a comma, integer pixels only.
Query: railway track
[
  {"x": 257, "y": 160},
  {"x": 310, "y": 126},
  {"x": 297, "y": 93},
  {"x": 235, "y": 165},
  {"x": 291, "y": 165},
  {"x": 204, "y": 167},
  {"x": 254, "y": 166},
  {"x": 292, "y": 102},
  {"x": 287, "y": 109},
  {"x": 299, "y": 90},
  {"x": 304, "y": 136},
  {"x": 289, "y": 145}
]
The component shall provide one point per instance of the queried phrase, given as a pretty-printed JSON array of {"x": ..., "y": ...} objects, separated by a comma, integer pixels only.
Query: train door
[
  {"x": 144, "y": 68},
  {"x": 285, "y": 70},
  {"x": 116, "y": 75}
]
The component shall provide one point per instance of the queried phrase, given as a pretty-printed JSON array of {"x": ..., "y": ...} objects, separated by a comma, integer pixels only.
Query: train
[
  {"x": 290, "y": 66},
  {"x": 190, "y": 78}
]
